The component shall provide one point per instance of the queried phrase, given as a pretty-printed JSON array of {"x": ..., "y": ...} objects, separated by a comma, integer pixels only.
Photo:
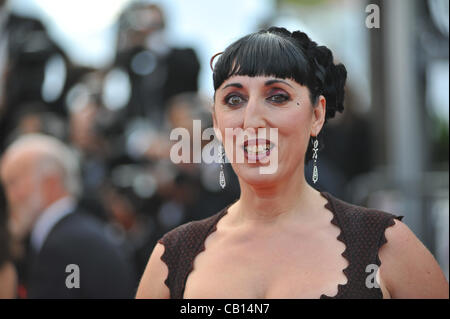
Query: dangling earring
[
  {"x": 315, "y": 175},
  {"x": 222, "y": 161}
]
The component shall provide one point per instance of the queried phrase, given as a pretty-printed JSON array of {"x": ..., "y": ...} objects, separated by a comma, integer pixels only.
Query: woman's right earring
[
  {"x": 315, "y": 176},
  {"x": 222, "y": 161}
]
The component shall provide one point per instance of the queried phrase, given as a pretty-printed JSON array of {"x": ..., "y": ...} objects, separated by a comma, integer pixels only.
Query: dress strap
[
  {"x": 181, "y": 245},
  {"x": 363, "y": 233}
]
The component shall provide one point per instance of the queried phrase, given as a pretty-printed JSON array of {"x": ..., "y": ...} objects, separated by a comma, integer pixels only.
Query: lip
[
  {"x": 259, "y": 141},
  {"x": 252, "y": 157}
]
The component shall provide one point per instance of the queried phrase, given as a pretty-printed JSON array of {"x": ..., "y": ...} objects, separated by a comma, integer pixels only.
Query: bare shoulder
[
  {"x": 407, "y": 266},
  {"x": 152, "y": 285}
]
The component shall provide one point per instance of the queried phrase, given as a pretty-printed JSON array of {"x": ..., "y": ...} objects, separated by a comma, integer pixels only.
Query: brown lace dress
[{"x": 362, "y": 232}]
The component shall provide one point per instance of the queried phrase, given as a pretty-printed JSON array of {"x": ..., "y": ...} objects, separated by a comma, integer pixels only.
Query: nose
[{"x": 254, "y": 116}]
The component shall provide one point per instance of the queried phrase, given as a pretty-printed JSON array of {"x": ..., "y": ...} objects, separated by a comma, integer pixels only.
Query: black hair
[{"x": 286, "y": 55}]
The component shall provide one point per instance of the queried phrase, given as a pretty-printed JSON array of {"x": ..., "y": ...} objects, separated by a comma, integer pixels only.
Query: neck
[{"x": 291, "y": 198}]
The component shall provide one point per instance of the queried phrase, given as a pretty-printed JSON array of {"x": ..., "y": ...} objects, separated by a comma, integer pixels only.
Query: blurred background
[{"x": 111, "y": 78}]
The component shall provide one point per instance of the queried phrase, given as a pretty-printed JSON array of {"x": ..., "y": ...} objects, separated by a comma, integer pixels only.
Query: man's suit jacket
[{"x": 79, "y": 239}]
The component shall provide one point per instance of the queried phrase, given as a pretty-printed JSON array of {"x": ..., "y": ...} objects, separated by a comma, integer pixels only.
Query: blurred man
[{"x": 69, "y": 254}]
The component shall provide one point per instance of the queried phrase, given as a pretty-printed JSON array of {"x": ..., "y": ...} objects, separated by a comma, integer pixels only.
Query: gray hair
[{"x": 53, "y": 157}]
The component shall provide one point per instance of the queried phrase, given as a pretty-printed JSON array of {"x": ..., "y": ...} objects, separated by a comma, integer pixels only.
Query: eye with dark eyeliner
[
  {"x": 233, "y": 99},
  {"x": 278, "y": 97}
]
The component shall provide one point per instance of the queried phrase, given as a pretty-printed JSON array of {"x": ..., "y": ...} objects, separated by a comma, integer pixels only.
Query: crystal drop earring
[
  {"x": 222, "y": 161},
  {"x": 315, "y": 175}
]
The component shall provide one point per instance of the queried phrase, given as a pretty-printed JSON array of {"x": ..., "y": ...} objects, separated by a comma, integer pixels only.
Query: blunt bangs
[{"x": 263, "y": 54}]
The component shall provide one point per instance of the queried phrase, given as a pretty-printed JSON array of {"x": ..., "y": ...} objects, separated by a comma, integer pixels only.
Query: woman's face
[{"x": 249, "y": 104}]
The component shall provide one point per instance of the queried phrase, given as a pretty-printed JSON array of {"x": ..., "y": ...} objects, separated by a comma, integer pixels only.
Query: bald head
[{"x": 41, "y": 155}]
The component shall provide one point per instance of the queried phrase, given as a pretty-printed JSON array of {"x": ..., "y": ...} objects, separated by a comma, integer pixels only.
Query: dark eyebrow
[
  {"x": 276, "y": 81},
  {"x": 237, "y": 85}
]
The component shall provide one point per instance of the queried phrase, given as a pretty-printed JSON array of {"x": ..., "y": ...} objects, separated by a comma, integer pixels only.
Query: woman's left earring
[
  {"x": 315, "y": 175},
  {"x": 222, "y": 161}
]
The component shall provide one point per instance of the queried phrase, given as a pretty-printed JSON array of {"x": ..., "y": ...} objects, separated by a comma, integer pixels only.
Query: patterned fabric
[{"x": 362, "y": 232}]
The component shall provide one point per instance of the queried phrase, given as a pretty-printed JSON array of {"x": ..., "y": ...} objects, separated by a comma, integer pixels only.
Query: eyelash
[
  {"x": 285, "y": 98},
  {"x": 227, "y": 99}
]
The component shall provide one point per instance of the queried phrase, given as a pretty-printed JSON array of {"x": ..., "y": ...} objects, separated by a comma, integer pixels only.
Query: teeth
[{"x": 255, "y": 149}]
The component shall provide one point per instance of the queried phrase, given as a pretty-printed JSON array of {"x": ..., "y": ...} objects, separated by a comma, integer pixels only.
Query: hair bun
[
  {"x": 304, "y": 40},
  {"x": 331, "y": 79},
  {"x": 334, "y": 89}
]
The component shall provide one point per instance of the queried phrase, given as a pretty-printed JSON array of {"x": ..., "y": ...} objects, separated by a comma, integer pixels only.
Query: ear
[{"x": 319, "y": 112}]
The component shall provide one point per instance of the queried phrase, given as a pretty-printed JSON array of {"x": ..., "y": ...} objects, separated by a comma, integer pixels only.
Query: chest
[{"x": 283, "y": 266}]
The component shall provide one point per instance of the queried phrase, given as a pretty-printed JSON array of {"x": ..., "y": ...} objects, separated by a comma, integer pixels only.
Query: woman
[{"x": 283, "y": 238}]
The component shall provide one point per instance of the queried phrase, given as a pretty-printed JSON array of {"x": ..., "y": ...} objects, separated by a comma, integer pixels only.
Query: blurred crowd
[
  {"x": 115, "y": 122},
  {"x": 85, "y": 156}
]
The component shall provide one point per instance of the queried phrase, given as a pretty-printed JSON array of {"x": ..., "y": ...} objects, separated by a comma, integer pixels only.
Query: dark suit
[{"x": 80, "y": 239}]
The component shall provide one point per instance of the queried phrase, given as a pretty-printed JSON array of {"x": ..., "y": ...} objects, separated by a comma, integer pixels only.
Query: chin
[{"x": 251, "y": 174}]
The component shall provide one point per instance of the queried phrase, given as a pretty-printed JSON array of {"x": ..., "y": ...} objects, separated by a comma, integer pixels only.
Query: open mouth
[{"x": 257, "y": 149}]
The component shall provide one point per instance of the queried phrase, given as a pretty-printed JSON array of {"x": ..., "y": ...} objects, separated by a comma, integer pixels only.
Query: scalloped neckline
[
  {"x": 341, "y": 237},
  {"x": 335, "y": 221}
]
